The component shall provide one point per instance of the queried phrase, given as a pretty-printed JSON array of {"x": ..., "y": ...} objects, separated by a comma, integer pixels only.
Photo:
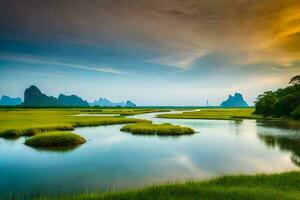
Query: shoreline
[{"x": 284, "y": 185}]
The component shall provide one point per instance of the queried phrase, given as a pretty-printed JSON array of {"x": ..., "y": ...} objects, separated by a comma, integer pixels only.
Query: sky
[{"x": 158, "y": 52}]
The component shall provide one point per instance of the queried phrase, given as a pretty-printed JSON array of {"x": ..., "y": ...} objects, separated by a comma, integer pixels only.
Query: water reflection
[
  {"x": 289, "y": 144},
  {"x": 112, "y": 159},
  {"x": 285, "y": 124},
  {"x": 56, "y": 149}
]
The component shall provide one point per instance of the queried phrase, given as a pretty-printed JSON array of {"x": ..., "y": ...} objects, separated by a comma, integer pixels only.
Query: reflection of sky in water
[{"x": 112, "y": 159}]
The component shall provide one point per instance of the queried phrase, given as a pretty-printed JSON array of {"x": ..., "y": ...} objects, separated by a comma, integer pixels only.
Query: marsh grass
[
  {"x": 123, "y": 111},
  {"x": 15, "y": 132},
  {"x": 55, "y": 139},
  {"x": 283, "y": 186},
  {"x": 216, "y": 113},
  {"x": 27, "y": 122},
  {"x": 157, "y": 129}
]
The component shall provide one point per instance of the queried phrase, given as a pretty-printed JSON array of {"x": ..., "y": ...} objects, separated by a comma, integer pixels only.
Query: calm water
[{"x": 112, "y": 160}]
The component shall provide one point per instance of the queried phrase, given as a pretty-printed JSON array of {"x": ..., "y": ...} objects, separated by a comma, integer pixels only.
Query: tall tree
[{"x": 295, "y": 80}]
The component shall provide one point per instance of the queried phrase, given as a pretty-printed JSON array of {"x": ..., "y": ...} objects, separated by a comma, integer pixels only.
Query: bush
[
  {"x": 296, "y": 113},
  {"x": 280, "y": 103},
  {"x": 55, "y": 139}
]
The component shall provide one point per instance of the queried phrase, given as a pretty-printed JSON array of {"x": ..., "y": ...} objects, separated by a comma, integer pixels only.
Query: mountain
[
  {"x": 8, "y": 101},
  {"x": 235, "y": 101},
  {"x": 103, "y": 102},
  {"x": 33, "y": 97},
  {"x": 130, "y": 104},
  {"x": 72, "y": 100}
]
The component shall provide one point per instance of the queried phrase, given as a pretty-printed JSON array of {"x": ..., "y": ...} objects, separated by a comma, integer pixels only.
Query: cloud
[
  {"x": 36, "y": 73},
  {"x": 180, "y": 32},
  {"x": 96, "y": 69},
  {"x": 182, "y": 61},
  {"x": 38, "y": 60}
]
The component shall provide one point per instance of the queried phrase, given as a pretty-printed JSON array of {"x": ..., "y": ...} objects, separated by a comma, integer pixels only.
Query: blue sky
[{"x": 151, "y": 52}]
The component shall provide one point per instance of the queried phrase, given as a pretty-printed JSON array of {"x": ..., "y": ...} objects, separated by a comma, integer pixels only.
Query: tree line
[{"x": 284, "y": 102}]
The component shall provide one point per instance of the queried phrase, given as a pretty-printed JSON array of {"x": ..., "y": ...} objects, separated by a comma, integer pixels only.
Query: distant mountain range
[
  {"x": 72, "y": 100},
  {"x": 8, "y": 101},
  {"x": 103, "y": 102},
  {"x": 33, "y": 97},
  {"x": 235, "y": 101}
]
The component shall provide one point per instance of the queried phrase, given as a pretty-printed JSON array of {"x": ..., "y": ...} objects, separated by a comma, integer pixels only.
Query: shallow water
[{"x": 112, "y": 160}]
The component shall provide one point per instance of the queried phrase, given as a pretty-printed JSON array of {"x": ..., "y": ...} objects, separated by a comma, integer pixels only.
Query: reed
[{"x": 157, "y": 129}]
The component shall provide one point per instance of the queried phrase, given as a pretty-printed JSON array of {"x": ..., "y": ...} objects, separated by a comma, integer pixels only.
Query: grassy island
[
  {"x": 215, "y": 113},
  {"x": 55, "y": 139},
  {"x": 284, "y": 186},
  {"x": 157, "y": 129}
]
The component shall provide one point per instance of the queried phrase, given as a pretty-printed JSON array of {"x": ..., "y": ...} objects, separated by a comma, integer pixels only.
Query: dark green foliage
[
  {"x": 295, "y": 80},
  {"x": 296, "y": 113},
  {"x": 265, "y": 104},
  {"x": 281, "y": 103}
]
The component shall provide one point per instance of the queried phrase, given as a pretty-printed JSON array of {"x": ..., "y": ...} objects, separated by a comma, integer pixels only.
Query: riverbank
[
  {"x": 262, "y": 186},
  {"x": 215, "y": 113},
  {"x": 232, "y": 114}
]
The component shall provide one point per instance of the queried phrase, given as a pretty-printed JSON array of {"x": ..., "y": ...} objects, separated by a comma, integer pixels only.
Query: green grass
[
  {"x": 123, "y": 111},
  {"x": 215, "y": 113},
  {"x": 157, "y": 129},
  {"x": 19, "y": 122},
  {"x": 283, "y": 186},
  {"x": 55, "y": 139}
]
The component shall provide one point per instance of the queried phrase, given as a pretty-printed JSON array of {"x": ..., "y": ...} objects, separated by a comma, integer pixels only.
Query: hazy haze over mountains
[
  {"x": 107, "y": 103},
  {"x": 8, "y": 101}
]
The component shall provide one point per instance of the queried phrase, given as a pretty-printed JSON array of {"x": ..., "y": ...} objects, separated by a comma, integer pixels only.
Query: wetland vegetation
[
  {"x": 50, "y": 128},
  {"x": 28, "y": 122},
  {"x": 55, "y": 139},
  {"x": 165, "y": 129},
  {"x": 284, "y": 186},
  {"x": 215, "y": 113}
]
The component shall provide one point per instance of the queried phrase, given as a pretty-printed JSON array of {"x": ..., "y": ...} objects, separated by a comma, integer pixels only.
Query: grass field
[
  {"x": 284, "y": 186},
  {"x": 157, "y": 129},
  {"x": 216, "y": 113},
  {"x": 18, "y": 122},
  {"x": 55, "y": 139},
  {"x": 123, "y": 111}
]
